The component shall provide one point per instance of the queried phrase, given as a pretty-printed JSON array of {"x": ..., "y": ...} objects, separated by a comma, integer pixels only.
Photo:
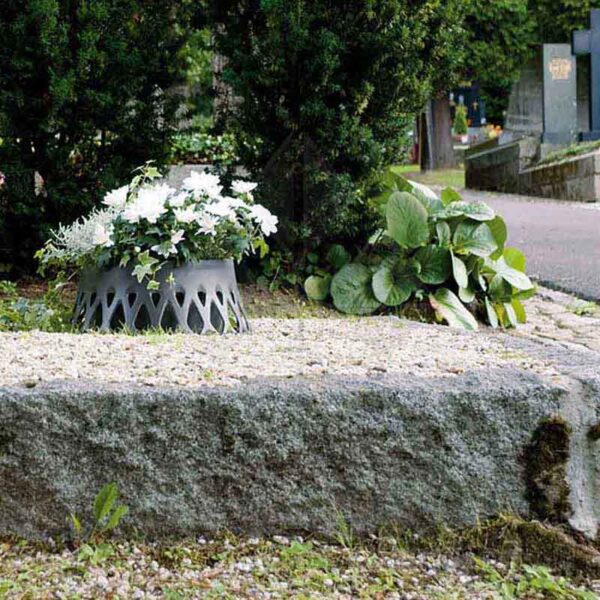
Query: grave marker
[
  {"x": 559, "y": 101},
  {"x": 588, "y": 43}
]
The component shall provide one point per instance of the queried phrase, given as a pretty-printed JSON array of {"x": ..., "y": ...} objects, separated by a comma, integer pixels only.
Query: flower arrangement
[{"x": 147, "y": 224}]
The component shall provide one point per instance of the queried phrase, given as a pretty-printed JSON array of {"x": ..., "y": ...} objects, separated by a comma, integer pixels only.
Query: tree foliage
[
  {"x": 499, "y": 39},
  {"x": 338, "y": 79},
  {"x": 84, "y": 97},
  {"x": 557, "y": 19}
]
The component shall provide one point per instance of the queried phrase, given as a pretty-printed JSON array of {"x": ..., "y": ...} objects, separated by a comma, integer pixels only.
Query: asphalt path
[{"x": 561, "y": 240}]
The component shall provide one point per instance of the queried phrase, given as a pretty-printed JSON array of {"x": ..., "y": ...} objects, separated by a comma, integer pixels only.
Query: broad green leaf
[
  {"x": 436, "y": 264},
  {"x": 105, "y": 501},
  {"x": 407, "y": 220},
  {"x": 478, "y": 211},
  {"x": 459, "y": 270},
  {"x": 449, "y": 195},
  {"x": 393, "y": 182},
  {"x": 337, "y": 256},
  {"x": 394, "y": 283},
  {"x": 444, "y": 233},
  {"x": 317, "y": 288},
  {"x": 515, "y": 258},
  {"x": 491, "y": 313},
  {"x": 475, "y": 238},
  {"x": 467, "y": 295},
  {"x": 499, "y": 231},
  {"x": 511, "y": 315},
  {"x": 519, "y": 311},
  {"x": 313, "y": 258},
  {"x": 115, "y": 517},
  {"x": 516, "y": 278},
  {"x": 352, "y": 291},
  {"x": 449, "y": 307},
  {"x": 433, "y": 205},
  {"x": 500, "y": 290}
]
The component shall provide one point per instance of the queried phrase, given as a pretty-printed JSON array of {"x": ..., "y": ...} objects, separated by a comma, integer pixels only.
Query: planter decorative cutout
[{"x": 204, "y": 299}]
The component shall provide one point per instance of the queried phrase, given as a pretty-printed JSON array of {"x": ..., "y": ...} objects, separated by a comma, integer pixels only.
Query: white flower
[
  {"x": 207, "y": 225},
  {"x": 101, "y": 236},
  {"x": 234, "y": 202},
  {"x": 116, "y": 198},
  {"x": 243, "y": 187},
  {"x": 149, "y": 204},
  {"x": 185, "y": 215},
  {"x": 178, "y": 200},
  {"x": 203, "y": 183},
  {"x": 222, "y": 208},
  {"x": 177, "y": 236},
  {"x": 266, "y": 220}
]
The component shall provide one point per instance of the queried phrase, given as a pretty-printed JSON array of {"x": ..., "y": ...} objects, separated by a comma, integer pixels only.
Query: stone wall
[
  {"x": 497, "y": 168},
  {"x": 576, "y": 178},
  {"x": 278, "y": 455},
  {"x": 510, "y": 168}
]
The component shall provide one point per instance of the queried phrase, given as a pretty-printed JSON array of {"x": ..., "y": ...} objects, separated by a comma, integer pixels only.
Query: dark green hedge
[{"x": 84, "y": 98}]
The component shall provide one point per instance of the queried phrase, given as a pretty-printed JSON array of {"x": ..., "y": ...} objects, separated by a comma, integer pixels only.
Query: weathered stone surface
[
  {"x": 277, "y": 454},
  {"x": 508, "y": 169}
]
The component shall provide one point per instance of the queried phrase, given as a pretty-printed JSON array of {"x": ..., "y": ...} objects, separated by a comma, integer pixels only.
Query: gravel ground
[
  {"x": 263, "y": 569},
  {"x": 275, "y": 348}
]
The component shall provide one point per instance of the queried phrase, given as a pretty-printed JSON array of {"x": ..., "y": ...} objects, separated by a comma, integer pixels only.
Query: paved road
[{"x": 560, "y": 239}]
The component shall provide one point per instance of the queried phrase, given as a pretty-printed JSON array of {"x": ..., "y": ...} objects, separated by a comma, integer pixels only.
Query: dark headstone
[
  {"x": 470, "y": 97},
  {"x": 588, "y": 43},
  {"x": 543, "y": 103},
  {"x": 559, "y": 94}
]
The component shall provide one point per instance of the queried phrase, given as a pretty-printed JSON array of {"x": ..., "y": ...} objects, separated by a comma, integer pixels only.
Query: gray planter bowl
[{"x": 204, "y": 299}]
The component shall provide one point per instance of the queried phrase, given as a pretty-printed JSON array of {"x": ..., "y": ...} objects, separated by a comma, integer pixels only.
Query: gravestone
[
  {"x": 470, "y": 97},
  {"x": 543, "y": 103},
  {"x": 559, "y": 95},
  {"x": 588, "y": 43}
]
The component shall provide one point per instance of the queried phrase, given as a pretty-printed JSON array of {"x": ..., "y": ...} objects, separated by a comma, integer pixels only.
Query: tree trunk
[{"x": 438, "y": 151}]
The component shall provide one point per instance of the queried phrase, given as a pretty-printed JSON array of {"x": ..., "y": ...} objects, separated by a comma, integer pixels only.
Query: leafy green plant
[
  {"x": 204, "y": 148},
  {"x": 147, "y": 225},
  {"x": 318, "y": 285},
  {"x": 48, "y": 313},
  {"x": 530, "y": 582},
  {"x": 107, "y": 515},
  {"x": 460, "y": 125},
  {"x": 86, "y": 94},
  {"x": 444, "y": 250}
]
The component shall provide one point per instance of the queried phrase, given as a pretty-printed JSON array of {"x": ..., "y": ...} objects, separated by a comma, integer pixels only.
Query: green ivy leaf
[
  {"x": 317, "y": 288},
  {"x": 407, "y": 220},
  {"x": 352, "y": 291},
  {"x": 449, "y": 307},
  {"x": 474, "y": 238},
  {"x": 436, "y": 264}
]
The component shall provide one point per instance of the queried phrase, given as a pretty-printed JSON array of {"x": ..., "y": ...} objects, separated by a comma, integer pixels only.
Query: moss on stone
[
  {"x": 546, "y": 460},
  {"x": 594, "y": 433}
]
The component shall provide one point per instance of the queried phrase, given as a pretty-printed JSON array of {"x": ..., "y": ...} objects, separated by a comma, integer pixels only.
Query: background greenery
[
  {"x": 325, "y": 95},
  {"x": 85, "y": 96}
]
